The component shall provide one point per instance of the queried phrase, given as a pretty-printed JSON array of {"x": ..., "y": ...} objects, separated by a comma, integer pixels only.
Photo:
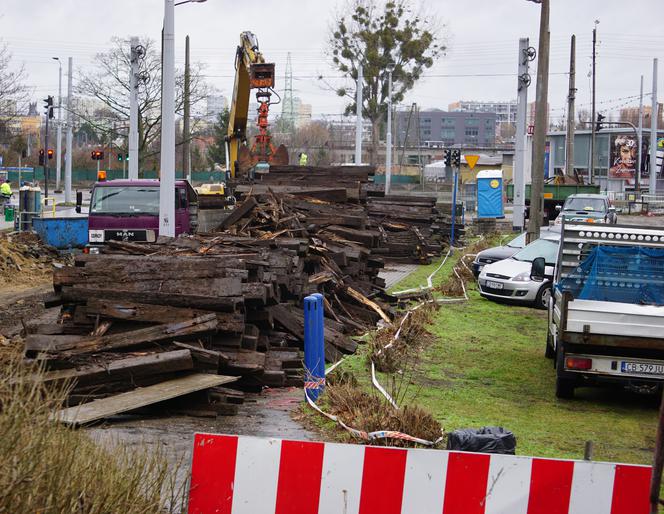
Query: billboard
[{"x": 624, "y": 152}]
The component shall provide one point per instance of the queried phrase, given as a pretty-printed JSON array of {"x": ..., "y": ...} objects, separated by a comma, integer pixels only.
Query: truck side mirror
[
  {"x": 538, "y": 269},
  {"x": 79, "y": 201},
  {"x": 559, "y": 207}
]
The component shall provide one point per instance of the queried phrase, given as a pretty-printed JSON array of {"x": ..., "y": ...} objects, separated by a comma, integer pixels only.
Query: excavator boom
[{"x": 251, "y": 73}]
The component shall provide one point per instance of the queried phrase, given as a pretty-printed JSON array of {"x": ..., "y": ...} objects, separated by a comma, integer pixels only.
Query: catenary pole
[
  {"x": 388, "y": 146},
  {"x": 167, "y": 168},
  {"x": 639, "y": 161},
  {"x": 186, "y": 132},
  {"x": 58, "y": 143},
  {"x": 591, "y": 168},
  {"x": 133, "y": 110},
  {"x": 653, "y": 132},
  {"x": 358, "y": 116},
  {"x": 70, "y": 132},
  {"x": 539, "y": 137},
  {"x": 569, "y": 150},
  {"x": 520, "y": 137}
]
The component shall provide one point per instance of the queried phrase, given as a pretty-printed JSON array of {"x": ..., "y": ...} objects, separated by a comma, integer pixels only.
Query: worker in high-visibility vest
[
  {"x": 6, "y": 190},
  {"x": 303, "y": 159}
]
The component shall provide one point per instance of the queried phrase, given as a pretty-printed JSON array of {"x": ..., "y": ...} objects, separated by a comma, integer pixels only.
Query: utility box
[{"x": 490, "y": 194}]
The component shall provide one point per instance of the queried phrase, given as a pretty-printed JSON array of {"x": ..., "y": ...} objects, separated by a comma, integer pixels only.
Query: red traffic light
[
  {"x": 97, "y": 155},
  {"x": 50, "y": 153}
]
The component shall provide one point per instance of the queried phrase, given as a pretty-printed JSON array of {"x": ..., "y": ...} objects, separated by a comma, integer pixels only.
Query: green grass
[{"x": 487, "y": 367}]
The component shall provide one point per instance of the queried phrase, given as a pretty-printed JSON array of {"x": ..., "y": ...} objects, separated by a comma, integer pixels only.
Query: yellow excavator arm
[{"x": 251, "y": 72}]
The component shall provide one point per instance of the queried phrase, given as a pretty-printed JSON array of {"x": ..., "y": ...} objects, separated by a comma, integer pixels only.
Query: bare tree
[
  {"x": 14, "y": 94},
  {"x": 109, "y": 86}
]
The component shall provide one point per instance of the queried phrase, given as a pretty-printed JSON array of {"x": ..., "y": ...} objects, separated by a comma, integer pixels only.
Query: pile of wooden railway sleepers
[
  {"x": 227, "y": 303},
  {"x": 411, "y": 227}
]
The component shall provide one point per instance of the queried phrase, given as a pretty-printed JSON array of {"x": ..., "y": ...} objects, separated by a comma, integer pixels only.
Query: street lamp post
[
  {"x": 58, "y": 148},
  {"x": 167, "y": 168}
]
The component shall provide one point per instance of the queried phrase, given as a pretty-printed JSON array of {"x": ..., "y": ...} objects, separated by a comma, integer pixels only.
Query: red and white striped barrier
[{"x": 248, "y": 475}]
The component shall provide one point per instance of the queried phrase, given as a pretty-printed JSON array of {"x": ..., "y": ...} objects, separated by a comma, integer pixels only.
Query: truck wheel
[
  {"x": 564, "y": 388},
  {"x": 542, "y": 298},
  {"x": 549, "y": 352}
]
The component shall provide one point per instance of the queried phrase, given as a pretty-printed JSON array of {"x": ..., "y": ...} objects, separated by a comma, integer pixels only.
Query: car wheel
[
  {"x": 564, "y": 388},
  {"x": 549, "y": 351},
  {"x": 543, "y": 296}
]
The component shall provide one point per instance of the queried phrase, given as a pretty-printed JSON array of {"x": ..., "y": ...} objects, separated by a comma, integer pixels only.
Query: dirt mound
[{"x": 25, "y": 260}]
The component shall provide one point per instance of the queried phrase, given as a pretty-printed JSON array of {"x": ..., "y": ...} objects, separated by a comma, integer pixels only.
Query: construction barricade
[{"x": 249, "y": 475}]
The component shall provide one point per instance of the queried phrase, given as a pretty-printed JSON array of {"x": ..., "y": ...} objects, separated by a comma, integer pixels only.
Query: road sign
[{"x": 471, "y": 160}]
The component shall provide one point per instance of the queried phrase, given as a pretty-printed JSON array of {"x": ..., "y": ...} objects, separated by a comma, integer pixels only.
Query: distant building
[
  {"x": 436, "y": 128},
  {"x": 631, "y": 114},
  {"x": 301, "y": 113},
  {"x": 215, "y": 105},
  {"x": 505, "y": 111}
]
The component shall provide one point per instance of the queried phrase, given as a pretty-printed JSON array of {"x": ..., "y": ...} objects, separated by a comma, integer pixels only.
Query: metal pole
[
  {"x": 539, "y": 137},
  {"x": 167, "y": 169},
  {"x": 358, "y": 116},
  {"x": 388, "y": 146},
  {"x": 569, "y": 150},
  {"x": 70, "y": 133},
  {"x": 591, "y": 169},
  {"x": 520, "y": 138},
  {"x": 658, "y": 462},
  {"x": 653, "y": 132},
  {"x": 58, "y": 147},
  {"x": 46, "y": 170},
  {"x": 640, "y": 139},
  {"x": 133, "y": 111},
  {"x": 454, "y": 197},
  {"x": 186, "y": 147}
]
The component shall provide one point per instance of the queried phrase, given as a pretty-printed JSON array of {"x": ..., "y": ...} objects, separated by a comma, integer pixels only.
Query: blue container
[
  {"x": 62, "y": 233},
  {"x": 320, "y": 370},
  {"x": 490, "y": 194}
]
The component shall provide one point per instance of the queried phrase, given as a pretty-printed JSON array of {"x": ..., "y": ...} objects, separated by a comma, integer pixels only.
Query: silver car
[{"x": 510, "y": 280}]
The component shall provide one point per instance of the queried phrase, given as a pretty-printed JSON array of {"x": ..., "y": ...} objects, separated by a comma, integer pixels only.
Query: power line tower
[{"x": 288, "y": 110}]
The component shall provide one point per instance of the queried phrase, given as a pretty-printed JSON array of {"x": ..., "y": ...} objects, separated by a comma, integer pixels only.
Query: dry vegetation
[
  {"x": 371, "y": 412},
  {"x": 48, "y": 468}
]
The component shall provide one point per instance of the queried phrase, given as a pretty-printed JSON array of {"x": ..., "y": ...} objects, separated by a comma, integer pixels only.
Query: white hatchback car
[{"x": 510, "y": 280}]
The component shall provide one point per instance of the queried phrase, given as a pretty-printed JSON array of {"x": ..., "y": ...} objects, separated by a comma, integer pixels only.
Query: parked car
[
  {"x": 499, "y": 253},
  {"x": 510, "y": 278},
  {"x": 590, "y": 208}
]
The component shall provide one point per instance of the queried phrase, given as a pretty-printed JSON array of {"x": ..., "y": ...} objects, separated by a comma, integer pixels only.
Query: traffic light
[
  {"x": 97, "y": 155},
  {"x": 41, "y": 157},
  {"x": 447, "y": 158},
  {"x": 120, "y": 157},
  {"x": 456, "y": 158},
  {"x": 48, "y": 106},
  {"x": 600, "y": 119},
  {"x": 50, "y": 153}
]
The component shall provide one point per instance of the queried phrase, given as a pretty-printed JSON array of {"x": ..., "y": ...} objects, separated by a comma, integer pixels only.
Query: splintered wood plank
[{"x": 141, "y": 397}]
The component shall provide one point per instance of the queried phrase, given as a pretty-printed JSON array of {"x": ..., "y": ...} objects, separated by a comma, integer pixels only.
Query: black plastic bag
[{"x": 486, "y": 440}]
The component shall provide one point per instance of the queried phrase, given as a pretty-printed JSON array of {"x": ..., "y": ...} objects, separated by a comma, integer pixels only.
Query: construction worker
[
  {"x": 303, "y": 159},
  {"x": 5, "y": 191}
]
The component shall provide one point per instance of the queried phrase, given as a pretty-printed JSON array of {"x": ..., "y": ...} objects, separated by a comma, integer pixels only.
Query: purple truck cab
[{"x": 128, "y": 210}]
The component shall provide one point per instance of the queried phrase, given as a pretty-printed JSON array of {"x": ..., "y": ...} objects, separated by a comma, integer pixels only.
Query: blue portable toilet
[{"x": 490, "y": 194}]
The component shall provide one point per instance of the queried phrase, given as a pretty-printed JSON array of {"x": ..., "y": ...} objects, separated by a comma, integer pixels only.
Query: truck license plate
[
  {"x": 494, "y": 285},
  {"x": 642, "y": 368}
]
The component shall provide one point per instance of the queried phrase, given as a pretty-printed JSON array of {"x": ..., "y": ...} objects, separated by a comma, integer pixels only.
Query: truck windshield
[
  {"x": 125, "y": 200},
  {"x": 546, "y": 248},
  {"x": 585, "y": 204}
]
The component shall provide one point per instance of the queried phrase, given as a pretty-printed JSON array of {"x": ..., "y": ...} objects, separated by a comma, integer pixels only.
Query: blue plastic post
[
  {"x": 311, "y": 346},
  {"x": 320, "y": 368}
]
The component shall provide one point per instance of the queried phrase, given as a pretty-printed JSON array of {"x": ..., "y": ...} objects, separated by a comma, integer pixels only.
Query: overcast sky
[{"x": 482, "y": 38}]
